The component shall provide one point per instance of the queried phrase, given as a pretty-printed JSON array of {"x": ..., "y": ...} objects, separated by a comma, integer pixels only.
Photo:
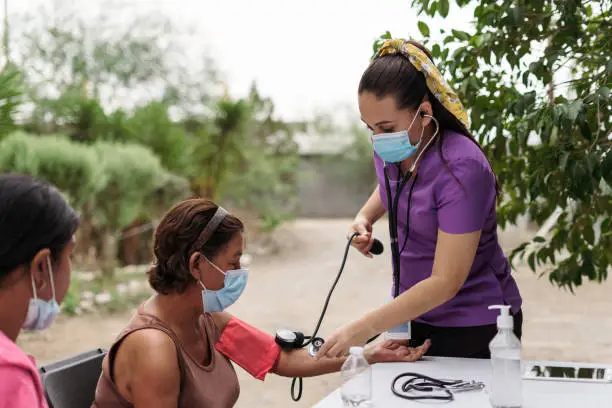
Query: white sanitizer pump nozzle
[{"x": 504, "y": 320}]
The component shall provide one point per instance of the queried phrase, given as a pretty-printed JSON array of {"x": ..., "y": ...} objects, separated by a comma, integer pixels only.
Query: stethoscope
[
  {"x": 291, "y": 340},
  {"x": 419, "y": 387},
  {"x": 393, "y": 203}
]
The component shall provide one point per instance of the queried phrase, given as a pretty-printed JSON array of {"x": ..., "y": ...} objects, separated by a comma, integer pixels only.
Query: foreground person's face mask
[{"x": 41, "y": 313}]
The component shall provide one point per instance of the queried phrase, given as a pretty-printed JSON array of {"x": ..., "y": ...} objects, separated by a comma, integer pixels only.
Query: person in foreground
[
  {"x": 433, "y": 175},
  {"x": 36, "y": 242},
  {"x": 177, "y": 350}
]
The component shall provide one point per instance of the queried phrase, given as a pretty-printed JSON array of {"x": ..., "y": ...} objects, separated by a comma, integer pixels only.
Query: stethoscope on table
[{"x": 419, "y": 387}]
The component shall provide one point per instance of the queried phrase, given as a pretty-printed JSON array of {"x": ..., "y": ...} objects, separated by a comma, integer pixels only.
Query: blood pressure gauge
[{"x": 289, "y": 339}]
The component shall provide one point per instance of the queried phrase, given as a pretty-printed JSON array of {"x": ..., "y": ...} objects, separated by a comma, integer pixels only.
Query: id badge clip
[{"x": 401, "y": 332}]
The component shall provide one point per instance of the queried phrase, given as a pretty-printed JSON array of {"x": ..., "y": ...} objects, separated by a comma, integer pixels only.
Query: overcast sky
[{"x": 307, "y": 55}]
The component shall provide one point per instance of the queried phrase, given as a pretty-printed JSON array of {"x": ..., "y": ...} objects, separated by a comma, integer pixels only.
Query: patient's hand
[{"x": 391, "y": 351}]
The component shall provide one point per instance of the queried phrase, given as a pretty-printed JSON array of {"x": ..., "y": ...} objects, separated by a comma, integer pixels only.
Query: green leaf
[
  {"x": 588, "y": 268},
  {"x": 436, "y": 51},
  {"x": 576, "y": 241},
  {"x": 539, "y": 239},
  {"x": 563, "y": 161},
  {"x": 604, "y": 93},
  {"x": 423, "y": 6},
  {"x": 554, "y": 133},
  {"x": 444, "y": 6},
  {"x": 423, "y": 28},
  {"x": 462, "y": 35},
  {"x": 589, "y": 234},
  {"x": 531, "y": 261},
  {"x": 585, "y": 130},
  {"x": 606, "y": 225},
  {"x": 515, "y": 16},
  {"x": 574, "y": 109},
  {"x": 433, "y": 8}
]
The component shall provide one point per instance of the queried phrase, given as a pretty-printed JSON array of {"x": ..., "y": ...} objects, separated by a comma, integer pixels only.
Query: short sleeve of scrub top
[{"x": 464, "y": 196}]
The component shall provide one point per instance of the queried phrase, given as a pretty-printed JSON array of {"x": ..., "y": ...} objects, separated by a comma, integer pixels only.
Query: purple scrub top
[{"x": 439, "y": 201}]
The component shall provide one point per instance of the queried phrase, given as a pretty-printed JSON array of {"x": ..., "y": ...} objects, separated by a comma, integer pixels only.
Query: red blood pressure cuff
[{"x": 252, "y": 349}]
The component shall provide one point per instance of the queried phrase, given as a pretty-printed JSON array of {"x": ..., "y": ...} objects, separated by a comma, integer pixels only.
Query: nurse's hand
[
  {"x": 363, "y": 242},
  {"x": 339, "y": 343}
]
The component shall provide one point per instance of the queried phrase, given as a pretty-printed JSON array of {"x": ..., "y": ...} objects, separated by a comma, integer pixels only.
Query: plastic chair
[{"x": 71, "y": 383}]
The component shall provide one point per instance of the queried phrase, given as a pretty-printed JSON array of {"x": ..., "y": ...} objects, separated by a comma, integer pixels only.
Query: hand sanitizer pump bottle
[{"x": 506, "y": 390}]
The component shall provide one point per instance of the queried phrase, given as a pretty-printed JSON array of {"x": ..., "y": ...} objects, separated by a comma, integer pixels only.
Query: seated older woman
[{"x": 176, "y": 351}]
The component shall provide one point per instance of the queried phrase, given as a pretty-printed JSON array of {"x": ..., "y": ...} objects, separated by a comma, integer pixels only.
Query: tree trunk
[
  {"x": 85, "y": 239},
  {"x": 108, "y": 254},
  {"x": 208, "y": 189},
  {"x": 130, "y": 244}
]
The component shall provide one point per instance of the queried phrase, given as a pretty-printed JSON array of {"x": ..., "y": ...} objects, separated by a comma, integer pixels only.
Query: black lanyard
[{"x": 392, "y": 204}]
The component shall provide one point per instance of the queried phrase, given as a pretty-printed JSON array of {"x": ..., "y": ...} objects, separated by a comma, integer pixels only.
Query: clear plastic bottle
[
  {"x": 506, "y": 381},
  {"x": 357, "y": 376}
]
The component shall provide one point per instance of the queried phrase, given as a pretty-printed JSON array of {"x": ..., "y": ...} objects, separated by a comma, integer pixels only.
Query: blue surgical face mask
[
  {"x": 395, "y": 147},
  {"x": 233, "y": 286},
  {"x": 41, "y": 313}
]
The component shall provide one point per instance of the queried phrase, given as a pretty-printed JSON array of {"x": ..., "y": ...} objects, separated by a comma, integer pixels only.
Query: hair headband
[
  {"x": 211, "y": 227},
  {"x": 433, "y": 78}
]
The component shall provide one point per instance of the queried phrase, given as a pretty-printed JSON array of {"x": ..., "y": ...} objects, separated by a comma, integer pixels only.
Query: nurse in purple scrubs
[{"x": 439, "y": 192}]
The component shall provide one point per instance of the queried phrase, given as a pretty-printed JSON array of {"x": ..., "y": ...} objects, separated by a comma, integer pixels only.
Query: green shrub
[{"x": 74, "y": 168}]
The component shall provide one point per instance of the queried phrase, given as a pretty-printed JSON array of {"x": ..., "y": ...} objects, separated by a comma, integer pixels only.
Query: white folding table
[{"x": 536, "y": 393}]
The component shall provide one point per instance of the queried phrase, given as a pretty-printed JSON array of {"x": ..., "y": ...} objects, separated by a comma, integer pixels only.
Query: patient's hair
[{"x": 175, "y": 242}]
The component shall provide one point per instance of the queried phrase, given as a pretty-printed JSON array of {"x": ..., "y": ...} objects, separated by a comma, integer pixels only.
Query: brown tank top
[{"x": 211, "y": 386}]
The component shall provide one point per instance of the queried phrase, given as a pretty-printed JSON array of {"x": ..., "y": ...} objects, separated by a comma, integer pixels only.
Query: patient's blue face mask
[
  {"x": 233, "y": 286},
  {"x": 396, "y": 147}
]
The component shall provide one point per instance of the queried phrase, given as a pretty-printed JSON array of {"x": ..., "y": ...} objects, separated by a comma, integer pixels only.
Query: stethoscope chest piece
[{"x": 315, "y": 345}]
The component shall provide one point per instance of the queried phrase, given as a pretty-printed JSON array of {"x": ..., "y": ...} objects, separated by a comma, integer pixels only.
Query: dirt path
[{"x": 289, "y": 289}]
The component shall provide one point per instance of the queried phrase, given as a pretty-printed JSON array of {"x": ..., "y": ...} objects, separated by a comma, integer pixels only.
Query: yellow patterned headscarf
[{"x": 433, "y": 78}]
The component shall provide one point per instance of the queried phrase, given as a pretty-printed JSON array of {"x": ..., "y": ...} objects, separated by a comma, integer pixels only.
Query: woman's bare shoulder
[{"x": 150, "y": 358}]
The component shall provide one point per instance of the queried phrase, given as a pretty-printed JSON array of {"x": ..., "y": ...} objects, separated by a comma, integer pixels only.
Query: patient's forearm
[{"x": 298, "y": 363}]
